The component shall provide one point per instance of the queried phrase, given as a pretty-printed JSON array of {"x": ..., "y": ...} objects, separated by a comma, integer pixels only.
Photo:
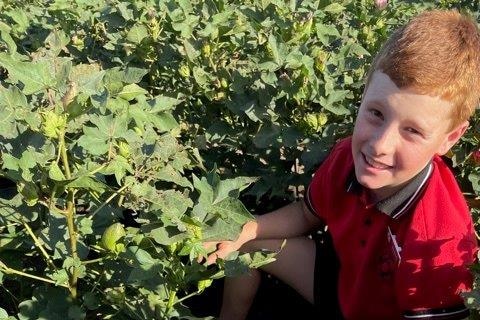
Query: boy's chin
[{"x": 379, "y": 188}]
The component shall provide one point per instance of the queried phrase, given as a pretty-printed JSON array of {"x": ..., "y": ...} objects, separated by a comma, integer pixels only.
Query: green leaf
[
  {"x": 8, "y": 127},
  {"x": 7, "y": 39},
  {"x": 3, "y": 314},
  {"x": 164, "y": 122},
  {"x": 21, "y": 19},
  {"x": 76, "y": 313},
  {"x": 10, "y": 162},
  {"x": 131, "y": 91},
  {"x": 201, "y": 76},
  {"x": 242, "y": 263},
  {"x": 331, "y": 102},
  {"x": 231, "y": 215},
  {"x": 56, "y": 41},
  {"x": 137, "y": 33},
  {"x": 190, "y": 50},
  {"x": 231, "y": 188},
  {"x": 173, "y": 205},
  {"x": 233, "y": 210},
  {"x": 277, "y": 50},
  {"x": 334, "y": 8},
  {"x": 326, "y": 32},
  {"x": 97, "y": 140},
  {"x": 126, "y": 13},
  {"x": 167, "y": 235},
  {"x": 93, "y": 141},
  {"x": 267, "y": 135},
  {"x": 87, "y": 183},
  {"x": 29, "y": 191},
  {"x": 162, "y": 103},
  {"x": 60, "y": 276},
  {"x": 119, "y": 166},
  {"x": 134, "y": 75},
  {"x": 69, "y": 263},
  {"x": 88, "y": 78},
  {"x": 85, "y": 225},
  {"x": 205, "y": 190},
  {"x": 221, "y": 230},
  {"x": 55, "y": 173},
  {"x": 12, "y": 97},
  {"x": 35, "y": 76},
  {"x": 91, "y": 301}
]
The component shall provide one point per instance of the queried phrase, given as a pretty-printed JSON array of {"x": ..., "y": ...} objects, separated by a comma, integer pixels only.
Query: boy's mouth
[{"x": 375, "y": 164}]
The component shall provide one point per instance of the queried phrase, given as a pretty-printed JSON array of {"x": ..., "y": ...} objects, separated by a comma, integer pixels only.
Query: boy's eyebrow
[
  {"x": 418, "y": 124},
  {"x": 377, "y": 101}
]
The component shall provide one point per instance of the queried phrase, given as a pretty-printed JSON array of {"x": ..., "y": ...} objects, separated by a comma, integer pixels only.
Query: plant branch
[
  {"x": 108, "y": 200},
  {"x": 64, "y": 156},
  {"x": 70, "y": 216},
  {"x": 39, "y": 245},
  {"x": 8, "y": 270},
  {"x": 73, "y": 242},
  {"x": 187, "y": 297},
  {"x": 172, "y": 294},
  {"x": 93, "y": 261}
]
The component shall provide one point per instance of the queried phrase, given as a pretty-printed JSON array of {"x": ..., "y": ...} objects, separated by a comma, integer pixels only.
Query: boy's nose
[{"x": 383, "y": 141}]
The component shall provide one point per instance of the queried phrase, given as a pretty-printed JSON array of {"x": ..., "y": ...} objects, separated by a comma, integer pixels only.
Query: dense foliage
[{"x": 128, "y": 130}]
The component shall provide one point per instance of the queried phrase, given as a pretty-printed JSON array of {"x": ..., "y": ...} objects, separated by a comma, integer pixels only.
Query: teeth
[{"x": 375, "y": 164}]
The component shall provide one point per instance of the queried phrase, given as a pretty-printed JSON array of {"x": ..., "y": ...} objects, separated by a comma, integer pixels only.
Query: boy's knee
[{"x": 257, "y": 245}]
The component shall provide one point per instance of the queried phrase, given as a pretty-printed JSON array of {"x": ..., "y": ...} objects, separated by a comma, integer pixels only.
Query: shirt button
[
  {"x": 363, "y": 242},
  {"x": 367, "y": 221},
  {"x": 385, "y": 267}
]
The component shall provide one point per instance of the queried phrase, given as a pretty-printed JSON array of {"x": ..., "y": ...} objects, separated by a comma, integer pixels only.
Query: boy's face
[{"x": 397, "y": 132}]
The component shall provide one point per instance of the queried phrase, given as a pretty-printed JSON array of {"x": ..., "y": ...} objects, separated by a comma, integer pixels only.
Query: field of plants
[{"x": 132, "y": 131}]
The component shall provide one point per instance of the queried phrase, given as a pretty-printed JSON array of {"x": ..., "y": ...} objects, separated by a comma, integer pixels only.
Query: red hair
[{"x": 436, "y": 53}]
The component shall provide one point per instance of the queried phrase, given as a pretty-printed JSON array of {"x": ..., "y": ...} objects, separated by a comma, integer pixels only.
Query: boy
[{"x": 402, "y": 238}]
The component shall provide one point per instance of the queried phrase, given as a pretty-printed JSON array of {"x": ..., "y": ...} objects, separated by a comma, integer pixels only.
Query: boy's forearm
[{"x": 286, "y": 222}]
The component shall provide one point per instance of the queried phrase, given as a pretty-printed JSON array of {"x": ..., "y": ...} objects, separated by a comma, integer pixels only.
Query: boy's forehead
[
  {"x": 382, "y": 88},
  {"x": 423, "y": 108}
]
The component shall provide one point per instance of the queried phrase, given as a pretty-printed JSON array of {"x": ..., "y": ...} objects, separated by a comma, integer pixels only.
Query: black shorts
[{"x": 326, "y": 278}]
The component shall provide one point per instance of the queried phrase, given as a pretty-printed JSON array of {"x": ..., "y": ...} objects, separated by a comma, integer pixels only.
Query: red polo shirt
[{"x": 405, "y": 257}]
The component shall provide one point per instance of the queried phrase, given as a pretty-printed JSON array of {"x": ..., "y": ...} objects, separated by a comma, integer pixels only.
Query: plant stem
[
  {"x": 9, "y": 270},
  {"x": 93, "y": 261},
  {"x": 172, "y": 294},
  {"x": 63, "y": 153},
  {"x": 108, "y": 200},
  {"x": 186, "y": 297},
  {"x": 70, "y": 216},
  {"x": 73, "y": 242},
  {"x": 39, "y": 245}
]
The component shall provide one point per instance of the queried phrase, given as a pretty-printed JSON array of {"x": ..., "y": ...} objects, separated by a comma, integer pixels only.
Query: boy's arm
[{"x": 290, "y": 221}]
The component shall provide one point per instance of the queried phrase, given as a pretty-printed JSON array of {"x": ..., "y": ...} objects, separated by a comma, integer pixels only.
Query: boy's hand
[{"x": 221, "y": 249}]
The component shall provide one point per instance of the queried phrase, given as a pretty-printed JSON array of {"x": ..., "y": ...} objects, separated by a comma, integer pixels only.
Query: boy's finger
[
  {"x": 209, "y": 245},
  {"x": 211, "y": 259}
]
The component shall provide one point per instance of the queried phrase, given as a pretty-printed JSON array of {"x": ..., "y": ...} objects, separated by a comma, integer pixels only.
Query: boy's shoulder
[
  {"x": 340, "y": 155},
  {"x": 441, "y": 210}
]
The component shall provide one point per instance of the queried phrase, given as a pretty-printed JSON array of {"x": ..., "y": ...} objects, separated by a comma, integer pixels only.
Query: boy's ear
[{"x": 452, "y": 137}]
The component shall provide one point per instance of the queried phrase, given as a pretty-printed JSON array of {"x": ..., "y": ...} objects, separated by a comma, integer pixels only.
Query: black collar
[{"x": 398, "y": 203}]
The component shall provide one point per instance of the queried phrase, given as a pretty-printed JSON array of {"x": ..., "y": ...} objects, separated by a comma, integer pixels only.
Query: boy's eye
[
  {"x": 412, "y": 130},
  {"x": 376, "y": 113}
]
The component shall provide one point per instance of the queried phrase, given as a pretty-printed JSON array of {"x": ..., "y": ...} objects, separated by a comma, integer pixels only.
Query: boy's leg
[
  {"x": 238, "y": 295},
  {"x": 294, "y": 266}
]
